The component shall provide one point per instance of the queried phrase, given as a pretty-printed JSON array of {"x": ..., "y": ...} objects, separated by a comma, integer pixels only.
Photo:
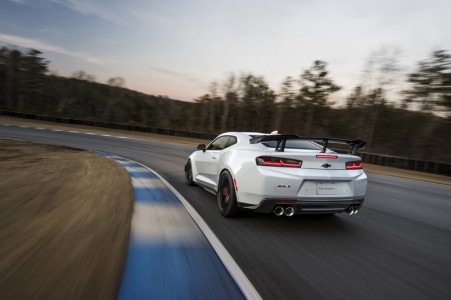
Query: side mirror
[{"x": 201, "y": 147}]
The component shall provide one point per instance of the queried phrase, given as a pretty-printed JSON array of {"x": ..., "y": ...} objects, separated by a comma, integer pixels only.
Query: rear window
[{"x": 294, "y": 144}]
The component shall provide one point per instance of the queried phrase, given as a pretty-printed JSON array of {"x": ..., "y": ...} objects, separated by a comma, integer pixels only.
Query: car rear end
[{"x": 302, "y": 181}]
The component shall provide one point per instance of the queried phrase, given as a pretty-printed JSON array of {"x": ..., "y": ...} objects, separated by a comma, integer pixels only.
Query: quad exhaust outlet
[
  {"x": 280, "y": 211},
  {"x": 353, "y": 210}
]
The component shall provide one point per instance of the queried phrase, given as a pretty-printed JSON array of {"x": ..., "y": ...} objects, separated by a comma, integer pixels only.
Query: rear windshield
[{"x": 294, "y": 144}]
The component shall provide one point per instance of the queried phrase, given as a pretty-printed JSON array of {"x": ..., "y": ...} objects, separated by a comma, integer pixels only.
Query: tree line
[{"x": 413, "y": 122}]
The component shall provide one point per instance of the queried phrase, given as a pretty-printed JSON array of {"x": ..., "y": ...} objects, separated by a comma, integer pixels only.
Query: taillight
[
  {"x": 353, "y": 165},
  {"x": 270, "y": 161},
  {"x": 326, "y": 156}
]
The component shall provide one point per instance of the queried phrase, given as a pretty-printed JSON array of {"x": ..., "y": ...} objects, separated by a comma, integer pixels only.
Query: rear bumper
[
  {"x": 268, "y": 183},
  {"x": 306, "y": 205}
]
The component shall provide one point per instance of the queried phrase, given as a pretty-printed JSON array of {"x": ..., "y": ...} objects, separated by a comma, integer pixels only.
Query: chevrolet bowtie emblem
[{"x": 326, "y": 165}]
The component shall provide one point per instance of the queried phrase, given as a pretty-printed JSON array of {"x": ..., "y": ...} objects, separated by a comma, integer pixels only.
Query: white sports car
[{"x": 283, "y": 174}]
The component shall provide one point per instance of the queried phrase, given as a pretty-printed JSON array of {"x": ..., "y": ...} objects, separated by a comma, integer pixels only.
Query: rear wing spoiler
[{"x": 281, "y": 140}]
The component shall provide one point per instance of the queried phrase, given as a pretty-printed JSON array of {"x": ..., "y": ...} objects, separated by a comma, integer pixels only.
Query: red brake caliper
[{"x": 225, "y": 192}]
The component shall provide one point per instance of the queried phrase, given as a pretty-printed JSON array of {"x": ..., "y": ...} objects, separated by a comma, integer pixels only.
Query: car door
[{"x": 208, "y": 162}]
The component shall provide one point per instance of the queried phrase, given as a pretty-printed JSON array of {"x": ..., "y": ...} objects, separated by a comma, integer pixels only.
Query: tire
[
  {"x": 227, "y": 196},
  {"x": 189, "y": 174}
]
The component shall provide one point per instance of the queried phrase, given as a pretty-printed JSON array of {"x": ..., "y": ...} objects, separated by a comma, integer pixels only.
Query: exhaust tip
[
  {"x": 289, "y": 211},
  {"x": 353, "y": 210},
  {"x": 278, "y": 211}
]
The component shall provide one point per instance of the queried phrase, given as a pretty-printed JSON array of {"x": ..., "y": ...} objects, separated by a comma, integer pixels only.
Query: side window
[
  {"x": 218, "y": 144},
  {"x": 231, "y": 141}
]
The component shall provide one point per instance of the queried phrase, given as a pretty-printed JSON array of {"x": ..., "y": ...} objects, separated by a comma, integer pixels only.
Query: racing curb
[{"x": 152, "y": 235}]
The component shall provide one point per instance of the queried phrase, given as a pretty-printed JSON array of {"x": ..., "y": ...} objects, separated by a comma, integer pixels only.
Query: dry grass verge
[
  {"x": 407, "y": 174},
  {"x": 64, "y": 219}
]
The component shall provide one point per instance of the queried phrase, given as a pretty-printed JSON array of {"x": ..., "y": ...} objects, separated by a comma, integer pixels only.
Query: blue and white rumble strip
[{"x": 169, "y": 257}]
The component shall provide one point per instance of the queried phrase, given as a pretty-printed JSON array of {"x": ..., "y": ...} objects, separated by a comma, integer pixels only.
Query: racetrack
[{"x": 398, "y": 245}]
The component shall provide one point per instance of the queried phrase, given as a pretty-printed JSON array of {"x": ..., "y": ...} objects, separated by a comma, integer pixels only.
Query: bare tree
[
  {"x": 380, "y": 82},
  {"x": 116, "y": 82},
  {"x": 212, "y": 106},
  {"x": 82, "y": 75},
  {"x": 382, "y": 70},
  {"x": 116, "y": 95},
  {"x": 230, "y": 99},
  {"x": 286, "y": 106}
]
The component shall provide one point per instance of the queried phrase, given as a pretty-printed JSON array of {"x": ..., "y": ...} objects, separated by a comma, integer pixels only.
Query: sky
[{"x": 177, "y": 48}]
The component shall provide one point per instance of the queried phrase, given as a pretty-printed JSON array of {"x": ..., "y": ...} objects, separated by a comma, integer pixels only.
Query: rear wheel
[
  {"x": 189, "y": 174},
  {"x": 227, "y": 196}
]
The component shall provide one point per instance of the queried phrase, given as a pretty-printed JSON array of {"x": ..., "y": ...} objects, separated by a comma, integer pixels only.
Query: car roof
[{"x": 243, "y": 134}]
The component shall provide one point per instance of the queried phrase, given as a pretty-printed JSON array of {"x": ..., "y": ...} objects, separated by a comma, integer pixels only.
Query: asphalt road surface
[{"x": 398, "y": 245}]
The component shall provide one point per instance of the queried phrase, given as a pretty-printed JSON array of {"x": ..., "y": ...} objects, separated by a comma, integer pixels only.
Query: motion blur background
[{"x": 378, "y": 71}]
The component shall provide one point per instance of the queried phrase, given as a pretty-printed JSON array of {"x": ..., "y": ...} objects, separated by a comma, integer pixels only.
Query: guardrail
[
  {"x": 372, "y": 158},
  {"x": 407, "y": 163}
]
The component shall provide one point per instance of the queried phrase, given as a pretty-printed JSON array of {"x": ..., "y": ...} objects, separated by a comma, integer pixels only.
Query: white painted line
[
  {"x": 147, "y": 182},
  {"x": 122, "y": 162},
  {"x": 159, "y": 223},
  {"x": 78, "y": 132},
  {"x": 136, "y": 169}
]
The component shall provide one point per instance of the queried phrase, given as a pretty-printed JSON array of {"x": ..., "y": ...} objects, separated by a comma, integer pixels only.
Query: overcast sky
[{"x": 177, "y": 48}]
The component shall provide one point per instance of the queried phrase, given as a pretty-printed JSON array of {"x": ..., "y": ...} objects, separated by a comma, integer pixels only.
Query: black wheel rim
[
  {"x": 225, "y": 193},
  {"x": 189, "y": 175}
]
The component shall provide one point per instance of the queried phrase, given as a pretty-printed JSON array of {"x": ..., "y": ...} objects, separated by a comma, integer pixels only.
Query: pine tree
[
  {"x": 431, "y": 83},
  {"x": 316, "y": 88}
]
